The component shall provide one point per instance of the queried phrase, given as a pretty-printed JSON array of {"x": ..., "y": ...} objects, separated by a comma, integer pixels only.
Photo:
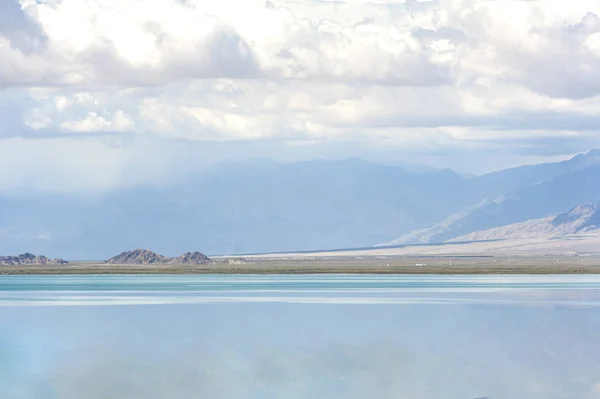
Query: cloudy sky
[{"x": 103, "y": 93}]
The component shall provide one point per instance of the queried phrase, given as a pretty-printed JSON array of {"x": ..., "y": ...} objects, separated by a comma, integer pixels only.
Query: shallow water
[{"x": 333, "y": 336}]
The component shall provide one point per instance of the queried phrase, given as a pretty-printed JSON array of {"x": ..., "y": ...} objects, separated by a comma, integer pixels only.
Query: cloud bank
[{"x": 425, "y": 79}]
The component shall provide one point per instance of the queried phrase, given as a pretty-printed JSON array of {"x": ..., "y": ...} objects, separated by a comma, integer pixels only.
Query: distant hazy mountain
[
  {"x": 239, "y": 208},
  {"x": 263, "y": 206},
  {"x": 575, "y": 182},
  {"x": 508, "y": 180},
  {"x": 414, "y": 168},
  {"x": 583, "y": 219}
]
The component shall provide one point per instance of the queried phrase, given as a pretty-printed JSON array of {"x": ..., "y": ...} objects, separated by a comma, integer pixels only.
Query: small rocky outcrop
[
  {"x": 30, "y": 259},
  {"x": 137, "y": 257},
  {"x": 191, "y": 258},
  {"x": 147, "y": 257}
]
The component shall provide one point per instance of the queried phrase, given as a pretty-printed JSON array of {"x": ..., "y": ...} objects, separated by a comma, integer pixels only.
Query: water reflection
[{"x": 299, "y": 337}]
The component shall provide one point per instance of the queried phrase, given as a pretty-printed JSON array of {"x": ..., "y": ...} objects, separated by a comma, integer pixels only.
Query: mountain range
[{"x": 240, "y": 207}]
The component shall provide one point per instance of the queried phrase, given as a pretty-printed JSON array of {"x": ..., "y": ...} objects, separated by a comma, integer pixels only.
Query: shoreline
[{"x": 455, "y": 265}]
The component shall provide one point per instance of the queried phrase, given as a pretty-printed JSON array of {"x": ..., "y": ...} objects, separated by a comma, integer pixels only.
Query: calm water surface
[{"x": 335, "y": 336}]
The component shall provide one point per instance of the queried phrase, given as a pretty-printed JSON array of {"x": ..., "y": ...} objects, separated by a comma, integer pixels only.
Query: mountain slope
[
  {"x": 583, "y": 219},
  {"x": 530, "y": 202}
]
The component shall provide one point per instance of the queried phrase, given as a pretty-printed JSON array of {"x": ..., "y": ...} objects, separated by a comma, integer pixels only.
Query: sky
[{"x": 101, "y": 94}]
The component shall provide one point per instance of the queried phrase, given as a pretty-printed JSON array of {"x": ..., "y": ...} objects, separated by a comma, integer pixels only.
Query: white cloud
[
  {"x": 93, "y": 122},
  {"x": 410, "y": 75},
  {"x": 131, "y": 42},
  {"x": 62, "y": 103},
  {"x": 592, "y": 44}
]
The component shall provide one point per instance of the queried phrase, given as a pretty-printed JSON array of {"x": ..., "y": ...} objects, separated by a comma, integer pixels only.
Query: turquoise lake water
[{"x": 302, "y": 336}]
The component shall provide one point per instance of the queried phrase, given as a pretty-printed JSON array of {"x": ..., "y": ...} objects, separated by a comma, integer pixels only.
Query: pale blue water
[{"x": 255, "y": 337}]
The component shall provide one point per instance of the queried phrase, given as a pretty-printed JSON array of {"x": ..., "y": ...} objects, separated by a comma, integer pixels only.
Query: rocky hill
[
  {"x": 196, "y": 258},
  {"x": 146, "y": 257},
  {"x": 30, "y": 259},
  {"x": 137, "y": 257}
]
